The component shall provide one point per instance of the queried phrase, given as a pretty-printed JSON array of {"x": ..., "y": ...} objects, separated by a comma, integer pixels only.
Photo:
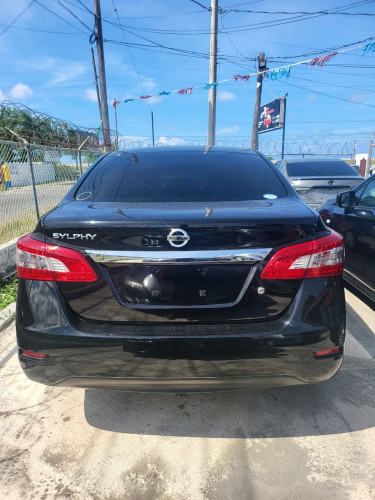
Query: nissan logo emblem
[{"x": 178, "y": 238}]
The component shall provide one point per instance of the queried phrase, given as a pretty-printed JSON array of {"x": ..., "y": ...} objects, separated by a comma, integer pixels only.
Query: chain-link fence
[{"x": 33, "y": 180}]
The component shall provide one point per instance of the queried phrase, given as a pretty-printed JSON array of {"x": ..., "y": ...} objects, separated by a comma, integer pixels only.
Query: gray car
[{"x": 318, "y": 180}]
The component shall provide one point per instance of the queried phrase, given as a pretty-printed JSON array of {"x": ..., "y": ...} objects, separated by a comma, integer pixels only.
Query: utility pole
[
  {"x": 369, "y": 156},
  {"x": 262, "y": 66},
  {"x": 353, "y": 153},
  {"x": 96, "y": 85},
  {"x": 283, "y": 103},
  {"x": 102, "y": 79},
  {"x": 116, "y": 140},
  {"x": 152, "y": 127},
  {"x": 213, "y": 75}
]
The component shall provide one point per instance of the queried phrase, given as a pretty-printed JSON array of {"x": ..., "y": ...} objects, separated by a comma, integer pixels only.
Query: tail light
[
  {"x": 40, "y": 261},
  {"x": 314, "y": 259}
]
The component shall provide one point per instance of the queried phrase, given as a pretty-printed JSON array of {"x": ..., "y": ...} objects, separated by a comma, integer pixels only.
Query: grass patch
[
  {"x": 16, "y": 227},
  {"x": 8, "y": 291}
]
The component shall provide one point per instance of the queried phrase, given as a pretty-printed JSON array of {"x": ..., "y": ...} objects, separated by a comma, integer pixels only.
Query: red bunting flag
[
  {"x": 115, "y": 103},
  {"x": 242, "y": 77},
  {"x": 185, "y": 91},
  {"x": 145, "y": 96},
  {"x": 320, "y": 61}
]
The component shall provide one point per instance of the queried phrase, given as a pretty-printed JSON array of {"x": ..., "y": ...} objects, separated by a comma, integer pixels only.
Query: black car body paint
[{"x": 202, "y": 318}]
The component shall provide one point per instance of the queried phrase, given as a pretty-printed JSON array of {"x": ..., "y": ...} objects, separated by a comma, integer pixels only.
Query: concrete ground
[{"x": 312, "y": 442}]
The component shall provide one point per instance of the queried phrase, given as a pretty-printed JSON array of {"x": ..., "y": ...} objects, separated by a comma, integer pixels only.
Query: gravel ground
[{"x": 312, "y": 442}]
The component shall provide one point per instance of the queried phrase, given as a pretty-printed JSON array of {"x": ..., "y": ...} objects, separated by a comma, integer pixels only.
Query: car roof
[
  {"x": 315, "y": 160},
  {"x": 187, "y": 149}
]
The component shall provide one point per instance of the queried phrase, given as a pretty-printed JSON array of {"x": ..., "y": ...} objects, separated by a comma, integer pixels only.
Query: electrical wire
[
  {"x": 328, "y": 95},
  {"x": 17, "y": 17},
  {"x": 72, "y": 13},
  {"x": 131, "y": 55},
  {"x": 43, "y": 31},
  {"x": 56, "y": 15},
  {"x": 201, "y": 5}
]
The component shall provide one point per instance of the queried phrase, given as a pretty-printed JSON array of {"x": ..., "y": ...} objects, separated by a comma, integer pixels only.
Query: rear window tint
[
  {"x": 181, "y": 177},
  {"x": 313, "y": 169}
]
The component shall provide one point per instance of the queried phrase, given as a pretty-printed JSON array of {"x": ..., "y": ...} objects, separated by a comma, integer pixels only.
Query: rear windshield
[
  {"x": 311, "y": 169},
  {"x": 181, "y": 177}
]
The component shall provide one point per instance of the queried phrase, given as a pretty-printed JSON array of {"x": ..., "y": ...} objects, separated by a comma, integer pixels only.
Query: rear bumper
[{"x": 183, "y": 357}]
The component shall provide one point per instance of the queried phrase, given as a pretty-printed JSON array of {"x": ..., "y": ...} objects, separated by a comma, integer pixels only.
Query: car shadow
[{"x": 343, "y": 404}]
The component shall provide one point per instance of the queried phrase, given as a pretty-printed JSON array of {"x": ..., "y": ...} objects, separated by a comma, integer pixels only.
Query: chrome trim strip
[{"x": 250, "y": 256}]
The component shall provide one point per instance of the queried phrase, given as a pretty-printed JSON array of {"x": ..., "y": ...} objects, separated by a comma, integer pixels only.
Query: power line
[
  {"x": 16, "y": 18},
  {"x": 328, "y": 95},
  {"x": 56, "y": 15},
  {"x": 130, "y": 53},
  {"x": 42, "y": 31},
  {"x": 201, "y": 5},
  {"x": 328, "y": 49},
  {"x": 321, "y": 12},
  {"x": 72, "y": 13}
]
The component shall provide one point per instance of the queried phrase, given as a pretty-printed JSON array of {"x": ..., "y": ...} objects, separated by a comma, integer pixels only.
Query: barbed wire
[
  {"x": 271, "y": 148},
  {"x": 40, "y": 128}
]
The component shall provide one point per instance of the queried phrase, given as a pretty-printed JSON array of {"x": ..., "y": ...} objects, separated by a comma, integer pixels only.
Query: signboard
[{"x": 271, "y": 116}]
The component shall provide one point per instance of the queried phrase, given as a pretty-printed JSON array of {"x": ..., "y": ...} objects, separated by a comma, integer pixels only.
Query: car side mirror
[{"x": 346, "y": 199}]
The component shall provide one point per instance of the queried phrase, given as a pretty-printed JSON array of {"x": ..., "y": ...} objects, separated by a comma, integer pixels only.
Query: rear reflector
[
  {"x": 328, "y": 352},
  {"x": 314, "y": 259},
  {"x": 36, "y": 355},
  {"x": 37, "y": 260}
]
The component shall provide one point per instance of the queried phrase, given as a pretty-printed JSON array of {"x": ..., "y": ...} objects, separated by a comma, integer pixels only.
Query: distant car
[
  {"x": 181, "y": 269},
  {"x": 318, "y": 180},
  {"x": 353, "y": 215}
]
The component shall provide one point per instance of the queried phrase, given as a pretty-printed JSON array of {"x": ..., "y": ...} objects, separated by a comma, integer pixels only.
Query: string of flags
[
  {"x": 370, "y": 47},
  {"x": 272, "y": 74}
]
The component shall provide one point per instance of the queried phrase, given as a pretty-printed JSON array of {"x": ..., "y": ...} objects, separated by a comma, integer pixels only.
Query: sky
[{"x": 46, "y": 64}]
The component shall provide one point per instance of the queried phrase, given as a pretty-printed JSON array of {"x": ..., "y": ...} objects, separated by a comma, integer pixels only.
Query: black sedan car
[
  {"x": 353, "y": 215},
  {"x": 181, "y": 269},
  {"x": 317, "y": 180}
]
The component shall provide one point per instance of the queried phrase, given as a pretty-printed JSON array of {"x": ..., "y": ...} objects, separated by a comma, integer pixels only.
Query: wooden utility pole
[
  {"x": 369, "y": 157},
  {"x": 213, "y": 75},
  {"x": 258, "y": 96},
  {"x": 102, "y": 79},
  {"x": 96, "y": 85}
]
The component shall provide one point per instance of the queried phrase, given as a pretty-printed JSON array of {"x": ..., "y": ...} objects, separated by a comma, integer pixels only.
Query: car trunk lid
[{"x": 216, "y": 269}]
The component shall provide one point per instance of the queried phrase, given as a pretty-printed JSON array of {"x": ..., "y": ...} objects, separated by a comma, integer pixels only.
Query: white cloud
[
  {"x": 20, "y": 91},
  {"x": 90, "y": 95},
  {"x": 229, "y": 130},
  {"x": 70, "y": 72},
  {"x": 116, "y": 63},
  {"x": 155, "y": 99},
  {"x": 3, "y": 97},
  {"x": 171, "y": 141},
  {"x": 312, "y": 97},
  {"x": 148, "y": 83},
  {"x": 224, "y": 95},
  {"x": 359, "y": 97}
]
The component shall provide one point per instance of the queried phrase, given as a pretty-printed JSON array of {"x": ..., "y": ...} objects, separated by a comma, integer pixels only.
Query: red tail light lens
[
  {"x": 36, "y": 355},
  {"x": 40, "y": 261},
  {"x": 314, "y": 259}
]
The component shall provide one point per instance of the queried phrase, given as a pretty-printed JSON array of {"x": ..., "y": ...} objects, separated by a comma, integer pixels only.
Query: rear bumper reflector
[
  {"x": 36, "y": 355},
  {"x": 328, "y": 352}
]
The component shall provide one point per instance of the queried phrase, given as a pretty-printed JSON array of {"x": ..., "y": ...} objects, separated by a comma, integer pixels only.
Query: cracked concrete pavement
[{"x": 311, "y": 442}]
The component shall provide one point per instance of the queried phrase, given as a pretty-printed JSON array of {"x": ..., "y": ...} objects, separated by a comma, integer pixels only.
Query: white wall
[{"x": 21, "y": 176}]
